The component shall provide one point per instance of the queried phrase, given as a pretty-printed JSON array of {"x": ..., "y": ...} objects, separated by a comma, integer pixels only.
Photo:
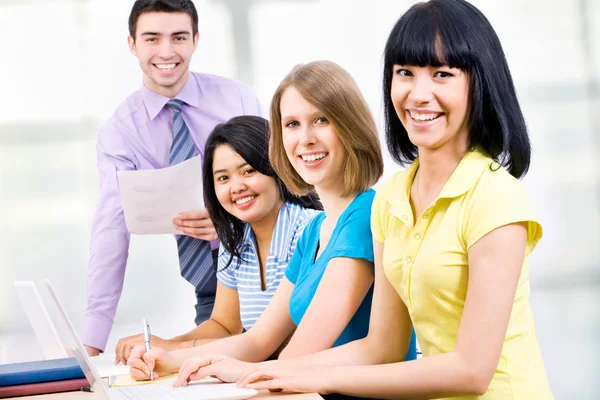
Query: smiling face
[
  {"x": 164, "y": 45},
  {"x": 432, "y": 104},
  {"x": 243, "y": 192},
  {"x": 310, "y": 141}
]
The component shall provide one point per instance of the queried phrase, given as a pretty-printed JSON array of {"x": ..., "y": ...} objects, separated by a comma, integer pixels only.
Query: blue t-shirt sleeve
[
  {"x": 227, "y": 275},
  {"x": 355, "y": 239}
]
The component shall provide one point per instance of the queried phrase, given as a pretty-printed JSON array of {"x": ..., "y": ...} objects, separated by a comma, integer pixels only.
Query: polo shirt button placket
[
  {"x": 426, "y": 213},
  {"x": 409, "y": 262},
  {"x": 423, "y": 223}
]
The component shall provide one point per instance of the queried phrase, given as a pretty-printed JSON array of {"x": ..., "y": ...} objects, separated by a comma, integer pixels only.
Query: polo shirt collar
[
  {"x": 248, "y": 236},
  {"x": 281, "y": 232},
  {"x": 283, "y": 228},
  {"x": 155, "y": 102},
  {"x": 466, "y": 174}
]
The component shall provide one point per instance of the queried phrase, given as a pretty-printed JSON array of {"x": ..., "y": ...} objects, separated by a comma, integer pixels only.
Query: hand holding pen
[
  {"x": 147, "y": 336},
  {"x": 157, "y": 360}
]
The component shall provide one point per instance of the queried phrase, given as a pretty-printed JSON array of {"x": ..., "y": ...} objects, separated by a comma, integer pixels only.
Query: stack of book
[{"x": 40, "y": 377}]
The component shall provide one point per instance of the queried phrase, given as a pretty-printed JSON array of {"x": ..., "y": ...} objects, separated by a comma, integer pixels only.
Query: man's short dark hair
[{"x": 171, "y": 6}]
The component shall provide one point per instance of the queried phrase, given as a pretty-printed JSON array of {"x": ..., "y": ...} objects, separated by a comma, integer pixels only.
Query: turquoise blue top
[{"x": 351, "y": 238}]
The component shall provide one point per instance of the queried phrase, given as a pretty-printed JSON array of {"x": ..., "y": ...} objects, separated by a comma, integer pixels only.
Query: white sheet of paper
[
  {"x": 152, "y": 198},
  {"x": 197, "y": 390},
  {"x": 106, "y": 366}
]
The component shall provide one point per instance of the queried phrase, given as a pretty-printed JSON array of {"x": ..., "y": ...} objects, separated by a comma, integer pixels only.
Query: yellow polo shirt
[{"x": 427, "y": 262}]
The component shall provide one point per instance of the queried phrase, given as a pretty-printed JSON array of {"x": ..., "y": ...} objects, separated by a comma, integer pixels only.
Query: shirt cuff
[{"x": 95, "y": 332}]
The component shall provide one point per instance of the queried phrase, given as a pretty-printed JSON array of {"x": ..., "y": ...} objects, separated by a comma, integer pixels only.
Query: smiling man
[{"x": 163, "y": 123}]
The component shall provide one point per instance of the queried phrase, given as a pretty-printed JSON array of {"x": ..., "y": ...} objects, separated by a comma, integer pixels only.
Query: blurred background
[{"x": 66, "y": 66}]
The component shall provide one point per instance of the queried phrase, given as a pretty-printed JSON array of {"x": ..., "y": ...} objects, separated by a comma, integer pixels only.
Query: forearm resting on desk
[
  {"x": 353, "y": 353},
  {"x": 208, "y": 331},
  {"x": 445, "y": 375},
  {"x": 241, "y": 347}
]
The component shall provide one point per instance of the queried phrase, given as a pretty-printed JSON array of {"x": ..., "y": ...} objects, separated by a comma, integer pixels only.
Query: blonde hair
[{"x": 334, "y": 92}]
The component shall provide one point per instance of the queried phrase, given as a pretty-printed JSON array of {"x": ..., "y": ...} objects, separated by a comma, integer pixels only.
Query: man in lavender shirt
[{"x": 163, "y": 37}]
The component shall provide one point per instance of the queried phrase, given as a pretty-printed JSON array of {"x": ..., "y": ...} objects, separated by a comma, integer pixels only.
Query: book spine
[{"x": 42, "y": 388}]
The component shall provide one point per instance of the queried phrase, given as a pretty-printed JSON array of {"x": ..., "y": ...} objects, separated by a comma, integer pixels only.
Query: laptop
[
  {"x": 47, "y": 333},
  {"x": 205, "y": 389}
]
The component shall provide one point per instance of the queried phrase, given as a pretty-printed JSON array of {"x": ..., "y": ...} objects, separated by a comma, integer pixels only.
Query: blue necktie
[{"x": 195, "y": 257}]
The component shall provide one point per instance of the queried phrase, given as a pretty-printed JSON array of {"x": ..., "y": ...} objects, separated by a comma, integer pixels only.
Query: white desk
[{"x": 262, "y": 395}]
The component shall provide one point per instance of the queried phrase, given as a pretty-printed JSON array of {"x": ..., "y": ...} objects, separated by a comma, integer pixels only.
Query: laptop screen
[
  {"x": 39, "y": 318},
  {"x": 68, "y": 336}
]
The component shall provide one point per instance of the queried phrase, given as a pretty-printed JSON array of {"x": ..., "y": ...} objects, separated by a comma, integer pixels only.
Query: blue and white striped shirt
[{"x": 243, "y": 274}]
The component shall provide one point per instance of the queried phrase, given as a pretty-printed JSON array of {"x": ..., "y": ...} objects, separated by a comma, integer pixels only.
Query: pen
[{"x": 147, "y": 343}]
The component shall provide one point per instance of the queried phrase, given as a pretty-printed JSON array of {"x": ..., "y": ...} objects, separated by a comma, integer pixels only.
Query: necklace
[{"x": 417, "y": 180}]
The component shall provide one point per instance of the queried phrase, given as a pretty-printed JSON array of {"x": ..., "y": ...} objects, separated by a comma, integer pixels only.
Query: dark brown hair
[{"x": 170, "y": 6}]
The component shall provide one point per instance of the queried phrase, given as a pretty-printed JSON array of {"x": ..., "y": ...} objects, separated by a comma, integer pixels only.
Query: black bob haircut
[
  {"x": 248, "y": 136},
  {"x": 454, "y": 33}
]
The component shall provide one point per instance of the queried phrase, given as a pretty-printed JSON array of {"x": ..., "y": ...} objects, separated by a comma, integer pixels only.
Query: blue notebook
[{"x": 40, "y": 371}]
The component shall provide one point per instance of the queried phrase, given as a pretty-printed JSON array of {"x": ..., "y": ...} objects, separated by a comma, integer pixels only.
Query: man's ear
[
  {"x": 196, "y": 38},
  {"x": 132, "y": 46}
]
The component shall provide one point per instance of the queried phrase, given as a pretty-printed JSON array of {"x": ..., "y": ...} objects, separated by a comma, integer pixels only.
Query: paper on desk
[
  {"x": 126, "y": 380},
  {"x": 113, "y": 370},
  {"x": 152, "y": 198},
  {"x": 105, "y": 365}
]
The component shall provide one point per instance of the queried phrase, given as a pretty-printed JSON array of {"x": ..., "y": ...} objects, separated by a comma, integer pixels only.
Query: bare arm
[
  {"x": 389, "y": 335},
  {"x": 495, "y": 263},
  {"x": 271, "y": 329},
  {"x": 341, "y": 291},
  {"x": 375, "y": 348},
  {"x": 224, "y": 321}
]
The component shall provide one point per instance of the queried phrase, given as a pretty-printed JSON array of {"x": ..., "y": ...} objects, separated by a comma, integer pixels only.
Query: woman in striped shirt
[
  {"x": 257, "y": 219},
  {"x": 258, "y": 222}
]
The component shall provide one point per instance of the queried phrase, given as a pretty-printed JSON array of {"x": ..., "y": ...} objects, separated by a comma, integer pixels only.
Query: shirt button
[
  {"x": 417, "y": 237},
  {"x": 404, "y": 217},
  {"x": 405, "y": 285},
  {"x": 408, "y": 260},
  {"x": 425, "y": 216}
]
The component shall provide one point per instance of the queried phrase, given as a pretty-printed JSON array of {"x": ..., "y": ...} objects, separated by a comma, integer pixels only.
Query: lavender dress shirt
[{"x": 139, "y": 136}]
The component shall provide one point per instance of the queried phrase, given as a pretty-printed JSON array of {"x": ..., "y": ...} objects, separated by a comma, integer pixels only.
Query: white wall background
[{"x": 65, "y": 66}]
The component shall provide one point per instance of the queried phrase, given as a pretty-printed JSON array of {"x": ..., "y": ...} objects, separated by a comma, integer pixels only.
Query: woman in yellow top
[{"x": 452, "y": 233}]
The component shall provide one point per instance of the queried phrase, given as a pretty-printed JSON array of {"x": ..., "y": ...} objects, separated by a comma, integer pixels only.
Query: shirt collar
[
  {"x": 155, "y": 102},
  {"x": 466, "y": 174},
  {"x": 248, "y": 236},
  {"x": 280, "y": 240}
]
